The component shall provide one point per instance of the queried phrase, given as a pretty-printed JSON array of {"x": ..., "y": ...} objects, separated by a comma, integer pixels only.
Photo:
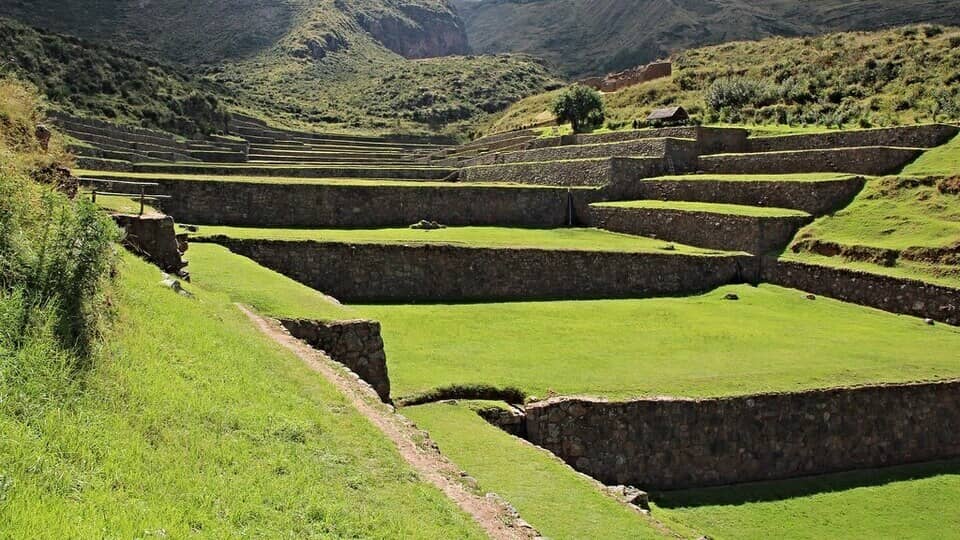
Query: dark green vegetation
[
  {"x": 853, "y": 505},
  {"x": 609, "y": 35},
  {"x": 572, "y": 506},
  {"x": 692, "y": 346},
  {"x": 580, "y": 106},
  {"x": 355, "y": 65},
  {"x": 884, "y": 78},
  {"x": 82, "y": 78}
]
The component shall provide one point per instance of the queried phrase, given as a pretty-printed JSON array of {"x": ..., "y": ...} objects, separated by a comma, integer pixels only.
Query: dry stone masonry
[{"x": 668, "y": 444}]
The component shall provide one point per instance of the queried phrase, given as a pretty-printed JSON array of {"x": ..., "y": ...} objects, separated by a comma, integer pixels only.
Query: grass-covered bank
[
  {"x": 557, "y": 501},
  {"x": 194, "y": 423},
  {"x": 914, "y": 501},
  {"x": 772, "y": 339}
]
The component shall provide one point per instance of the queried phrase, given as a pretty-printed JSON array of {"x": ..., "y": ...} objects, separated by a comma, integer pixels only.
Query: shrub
[
  {"x": 737, "y": 93},
  {"x": 581, "y": 106},
  {"x": 954, "y": 42}
]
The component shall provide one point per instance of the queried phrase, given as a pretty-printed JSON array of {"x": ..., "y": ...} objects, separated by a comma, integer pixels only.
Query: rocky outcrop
[{"x": 416, "y": 31}]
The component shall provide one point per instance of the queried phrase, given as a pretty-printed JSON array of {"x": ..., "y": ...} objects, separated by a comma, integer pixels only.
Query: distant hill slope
[
  {"x": 364, "y": 65},
  {"x": 596, "y": 36},
  {"x": 82, "y": 78},
  {"x": 853, "y": 79}
]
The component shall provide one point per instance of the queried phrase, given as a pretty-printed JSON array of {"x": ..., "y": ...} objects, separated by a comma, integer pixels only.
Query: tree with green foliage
[{"x": 581, "y": 106}]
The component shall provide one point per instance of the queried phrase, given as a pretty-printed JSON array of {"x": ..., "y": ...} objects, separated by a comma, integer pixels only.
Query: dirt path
[{"x": 495, "y": 518}]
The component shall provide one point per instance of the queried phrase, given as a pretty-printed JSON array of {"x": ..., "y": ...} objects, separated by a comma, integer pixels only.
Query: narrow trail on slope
[{"x": 495, "y": 518}]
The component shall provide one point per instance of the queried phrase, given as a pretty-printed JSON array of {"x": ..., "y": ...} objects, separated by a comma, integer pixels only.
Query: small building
[{"x": 670, "y": 115}]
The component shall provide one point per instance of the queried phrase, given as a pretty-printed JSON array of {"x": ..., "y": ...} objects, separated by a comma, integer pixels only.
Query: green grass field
[
  {"x": 215, "y": 268},
  {"x": 192, "y": 424},
  {"x": 552, "y": 497},
  {"x": 917, "y": 501},
  {"x": 728, "y": 209},
  {"x": 894, "y": 214},
  {"x": 941, "y": 161},
  {"x": 772, "y": 339},
  {"x": 489, "y": 237}
]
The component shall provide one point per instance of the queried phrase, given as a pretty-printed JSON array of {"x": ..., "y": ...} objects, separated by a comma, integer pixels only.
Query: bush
[
  {"x": 581, "y": 106},
  {"x": 738, "y": 92}
]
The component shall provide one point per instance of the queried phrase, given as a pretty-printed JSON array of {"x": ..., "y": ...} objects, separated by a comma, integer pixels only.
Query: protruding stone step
[
  {"x": 816, "y": 196},
  {"x": 869, "y": 160},
  {"x": 752, "y": 229}
]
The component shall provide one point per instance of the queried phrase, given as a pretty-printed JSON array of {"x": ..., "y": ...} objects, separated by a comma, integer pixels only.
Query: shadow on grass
[{"x": 802, "y": 487}]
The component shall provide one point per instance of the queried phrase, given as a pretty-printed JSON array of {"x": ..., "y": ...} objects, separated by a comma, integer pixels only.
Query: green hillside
[
  {"x": 608, "y": 35},
  {"x": 355, "y": 65},
  {"x": 80, "y": 77},
  {"x": 852, "y": 79}
]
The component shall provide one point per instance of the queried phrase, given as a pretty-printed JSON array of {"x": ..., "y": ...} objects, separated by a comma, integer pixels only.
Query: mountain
[
  {"x": 358, "y": 65},
  {"x": 585, "y": 37}
]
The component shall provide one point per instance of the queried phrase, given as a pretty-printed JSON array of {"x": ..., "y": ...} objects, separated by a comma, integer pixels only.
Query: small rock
[
  {"x": 424, "y": 225},
  {"x": 811, "y": 297},
  {"x": 175, "y": 286},
  {"x": 669, "y": 247},
  {"x": 731, "y": 296},
  {"x": 929, "y": 322}
]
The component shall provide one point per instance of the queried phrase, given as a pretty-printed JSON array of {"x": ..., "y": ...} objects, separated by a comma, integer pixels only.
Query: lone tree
[{"x": 582, "y": 106}]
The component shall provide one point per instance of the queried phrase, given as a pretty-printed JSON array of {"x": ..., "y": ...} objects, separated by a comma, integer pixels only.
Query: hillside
[
  {"x": 387, "y": 63},
  {"x": 609, "y": 35},
  {"x": 860, "y": 79}
]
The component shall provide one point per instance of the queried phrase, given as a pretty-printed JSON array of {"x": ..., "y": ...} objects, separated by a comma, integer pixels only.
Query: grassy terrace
[
  {"x": 945, "y": 275},
  {"x": 479, "y": 237},
  {"x": 195, "y": 424},
  {"x": 799, "y": 177},
  {"x": 941, "y": 161},
  {"x": 217, "y": 269},
  {"x": 692, "y": 346},
  {"x": 894, "y": 214},
  {"x": 558, "y": 502},
  {"x": 917, "y": 501},
  {"x": 730, "y": 209},
  {"x": 149, "y": 177}
]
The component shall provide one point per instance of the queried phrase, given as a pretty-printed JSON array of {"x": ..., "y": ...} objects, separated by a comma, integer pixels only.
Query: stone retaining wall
[
  {"x": 397, "y": 173},
  {"x": 152, "y": 237},
  {"x": 925, "y": 136},
  {"x": 358, "y": 345},
  {"x": 682, "y": 151},
  {"x": 668, "y": 444},
  {"x": 357, "y": 206},
  {"x": 875, "y": 161},
  {"x": 757, "y": 235},
  {"x": 440, "y": 273},
  {"x": 583, "y": 172},
  {"x": 710, "y": 140},
  {"x": 897, "y": 295},
  {"x": 816, "y": 198}
]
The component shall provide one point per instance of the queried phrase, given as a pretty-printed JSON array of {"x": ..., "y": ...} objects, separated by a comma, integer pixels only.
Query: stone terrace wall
[
  {"x": 438, "y": 273},
  {"x": 711, "y": 140},
  {"x": 308, "y": 171},
  {"x": 926, "y": 136},
  {"x": 757, "y": 235},
  {"x": 876, "y": 160},
  {"x": 667, "y": 444},
  {"x": 682, "y": 151},
  {"x": 897, "y": 295},
  {"x": 359, "y": 206},
  {"x": 584, "y": 172},
  {"x": 816, "y": 198},
  {"x": 358, "y": 345},
  {"x": 152, "y": 237}
]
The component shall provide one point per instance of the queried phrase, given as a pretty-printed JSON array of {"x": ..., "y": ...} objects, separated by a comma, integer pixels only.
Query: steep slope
[
  {"x": 82, "y": 78},
  {"x": 593, "y": 37},
  {"x": 311, "y": 61},
  {"x": 854, "y": 79}
]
